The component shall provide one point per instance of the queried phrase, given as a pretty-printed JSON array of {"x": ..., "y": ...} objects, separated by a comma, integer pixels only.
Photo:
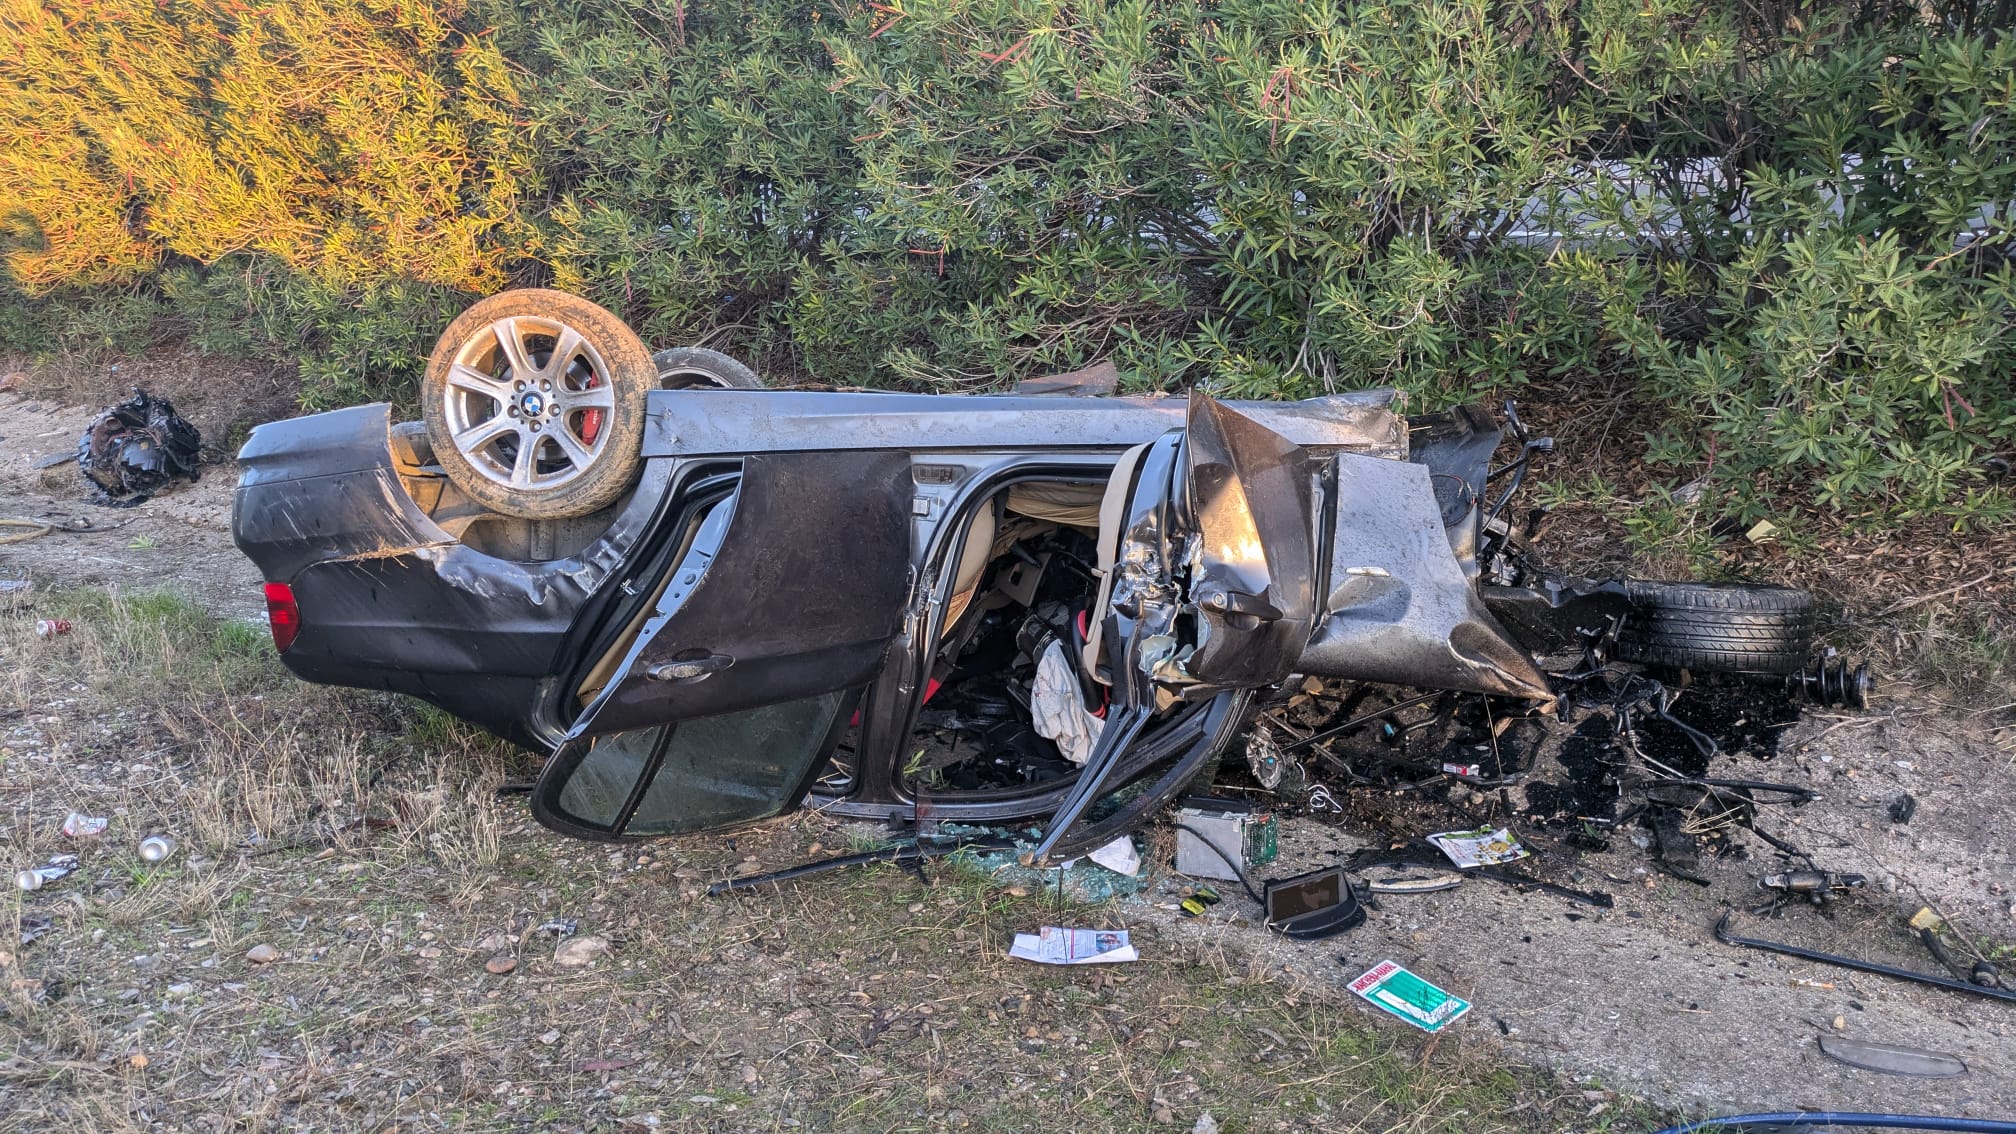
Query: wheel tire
[
  {"x": 1718, "y": 627},
  {"x": 682, "y": 368},
  {"x": 582, "y": 417}
]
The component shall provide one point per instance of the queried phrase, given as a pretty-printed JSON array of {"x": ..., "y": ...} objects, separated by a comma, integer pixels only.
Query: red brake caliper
[{"x": 591, "y": 419}]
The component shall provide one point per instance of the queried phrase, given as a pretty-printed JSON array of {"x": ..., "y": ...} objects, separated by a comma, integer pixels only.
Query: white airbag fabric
[{"x": 1058, "y": 708}]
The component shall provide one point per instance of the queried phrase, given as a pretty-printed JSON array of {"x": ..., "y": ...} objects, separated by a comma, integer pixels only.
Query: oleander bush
[{"x": 1788, "y": 223}]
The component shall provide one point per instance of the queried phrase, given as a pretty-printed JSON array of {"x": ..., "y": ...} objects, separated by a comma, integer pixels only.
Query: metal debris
[{"x": 137, "y": 448}]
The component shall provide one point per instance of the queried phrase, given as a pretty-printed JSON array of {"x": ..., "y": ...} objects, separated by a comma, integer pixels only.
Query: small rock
[
  {"x": 262, "y": 954},
  {"x": 500, "y": 964},
  {"x": 577, "y": 951},
  {"x": 550, "y": 1038},
  {"x": 136, "y": 1060},
  {"x": 431, "y": 952},
  {"x": 1163, "y": 1115},
  {"x": 496, "y": 943},
  {"x": 1018, "y": 891},
  {"x": 916, "y": 907},
  {"x": 1205, "y": 1124},
  {"x": 1840, "y": 1023},
  {"x": 749, "y": 1075}
]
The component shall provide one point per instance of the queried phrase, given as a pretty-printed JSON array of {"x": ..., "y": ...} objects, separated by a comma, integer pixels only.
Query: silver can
[
  {"x": 58, "y": 867},
  {"x": 157, "y": 848}
]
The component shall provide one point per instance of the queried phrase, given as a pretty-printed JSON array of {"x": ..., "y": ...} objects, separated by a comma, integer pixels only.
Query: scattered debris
[
  {"x": 1407, "y": 996},
  {"x": 80, "y": 826},
  {"x": 1119, "y": 856},
  {"x": 1223, "y": 838},
  {"x": 1481, "y": 847},
  {"x": 1903, "y": 808},
  {"x": 910, "y": 855},
  {"x": 263, "y": 954},
  {"x": 1055, "y": 946},
  {"x": 1197, "y": 901},
  {"x": 556, "y": 927},
  {"x": 49, "y": 628},
  {"x": 137, "y": 448},
  {"x": 575, "y": 952},
  {"x": 1820, "y": 886},
  {"x": 156, "y": 849},
  {"x": 1891, "y": 1059},
  {"x": 1319, "y": 904},
  {"x": 58, "y": 867},
  {"x": 34, "y": 926},
  {"x": 1723, "y": 935}
]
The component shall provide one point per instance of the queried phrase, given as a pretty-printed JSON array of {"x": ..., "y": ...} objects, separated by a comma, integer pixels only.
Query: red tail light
[{"x": 282, "y": 614}]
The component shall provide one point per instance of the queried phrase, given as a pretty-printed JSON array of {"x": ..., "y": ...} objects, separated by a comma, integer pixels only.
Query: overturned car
[{"x": 711, "y": 603}]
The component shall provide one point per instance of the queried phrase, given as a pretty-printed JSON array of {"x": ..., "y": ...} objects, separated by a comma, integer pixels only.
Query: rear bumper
[{"x": 389, "y": 600}]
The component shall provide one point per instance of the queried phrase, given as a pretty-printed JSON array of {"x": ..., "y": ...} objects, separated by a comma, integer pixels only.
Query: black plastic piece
[{"x": 1312, "y": 906}]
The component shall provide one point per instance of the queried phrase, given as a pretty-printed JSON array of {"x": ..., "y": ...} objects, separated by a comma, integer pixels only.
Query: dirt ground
[
  {"x": 355, "y": 845},
  {"x": 181, "y": 537}
]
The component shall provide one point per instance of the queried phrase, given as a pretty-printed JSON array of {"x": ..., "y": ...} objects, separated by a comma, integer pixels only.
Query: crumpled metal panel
[
  {"x": 1247, "y": 500},
  {"x": 1399, "y": 608}
]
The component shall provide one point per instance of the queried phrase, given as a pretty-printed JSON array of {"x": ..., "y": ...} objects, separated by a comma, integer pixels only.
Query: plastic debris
[
  {"x": 135, "y": 449},
  {"x": 80, "y": 826},
  {"x": 1056, "y": 946},
  {"x": 49, "y": 628},
  {"x": 56, "y": 868},
  {"x": 1891, "y": 1059},
  {"x": 1407, "y": 996}
]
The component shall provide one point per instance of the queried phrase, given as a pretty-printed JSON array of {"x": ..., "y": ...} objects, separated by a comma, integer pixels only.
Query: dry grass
[{"x": 871, "y": 1001}]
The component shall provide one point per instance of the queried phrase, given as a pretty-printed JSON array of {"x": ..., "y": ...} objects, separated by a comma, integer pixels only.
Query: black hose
[
  {"x": 909, "y": 852},
  {"x": 1848, "y": 1118}
]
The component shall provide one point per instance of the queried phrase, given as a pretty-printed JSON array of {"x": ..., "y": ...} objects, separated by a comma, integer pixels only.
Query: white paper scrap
[
  {"x": 1481, "y": 847},
  {"x": 1055, "y": 946}
]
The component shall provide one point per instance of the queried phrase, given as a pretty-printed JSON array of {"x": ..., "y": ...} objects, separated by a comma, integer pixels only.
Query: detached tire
[
  {"x": 534, "y": 404},
  {"x": 685, "y": 368},
  {"x": 1718, "y": 627}
]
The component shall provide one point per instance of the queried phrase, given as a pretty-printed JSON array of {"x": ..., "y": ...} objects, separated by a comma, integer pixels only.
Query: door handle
[{"x": 689, "y": 669}]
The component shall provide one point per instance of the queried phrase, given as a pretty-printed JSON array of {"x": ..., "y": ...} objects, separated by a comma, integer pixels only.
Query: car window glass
[
  {"x": 599, "y": 786},
  {"x": 736, "y": 767}
]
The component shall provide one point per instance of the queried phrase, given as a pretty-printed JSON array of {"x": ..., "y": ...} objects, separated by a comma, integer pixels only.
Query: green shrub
[{"x": 1789, "y": 224}]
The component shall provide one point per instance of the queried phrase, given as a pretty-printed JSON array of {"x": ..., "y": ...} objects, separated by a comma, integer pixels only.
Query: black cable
[{"x": 1220, "y": 852}]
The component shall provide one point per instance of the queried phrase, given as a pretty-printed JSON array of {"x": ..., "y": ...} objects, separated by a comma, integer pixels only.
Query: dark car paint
[{"x": 390, "y": 600}]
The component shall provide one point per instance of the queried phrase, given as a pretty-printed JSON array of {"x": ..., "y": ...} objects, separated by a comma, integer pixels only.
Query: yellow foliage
[{"x": 350, "y": 139}]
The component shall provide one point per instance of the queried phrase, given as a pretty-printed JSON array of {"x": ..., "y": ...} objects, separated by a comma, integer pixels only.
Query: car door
[{"x": 779, "y": 601}]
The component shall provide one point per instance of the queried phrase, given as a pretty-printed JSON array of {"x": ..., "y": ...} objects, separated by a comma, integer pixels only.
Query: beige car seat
[
  {"x": 1112, "y": 515},
  {"x": 974, "y": 555}
]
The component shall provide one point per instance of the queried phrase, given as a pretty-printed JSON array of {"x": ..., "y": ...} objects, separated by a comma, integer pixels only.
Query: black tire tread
[
  {"x": 722, "y": 370},
  {"x": 1718, "y": 627}
]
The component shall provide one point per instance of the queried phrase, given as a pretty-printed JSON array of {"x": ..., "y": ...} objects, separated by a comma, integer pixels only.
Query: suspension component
[{"x": 1830, "y": 681}]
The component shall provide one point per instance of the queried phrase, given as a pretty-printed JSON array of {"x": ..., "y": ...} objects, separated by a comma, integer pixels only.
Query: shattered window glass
[
  {"x": 600, "y": 785},
  {"x": 715, "y": 771},
  {"x": 735, "y": 767}
]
